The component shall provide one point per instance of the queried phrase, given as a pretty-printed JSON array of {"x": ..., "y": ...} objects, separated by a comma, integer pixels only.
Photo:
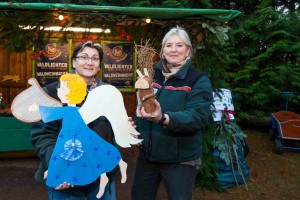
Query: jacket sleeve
[
  {"x": 197, "y": 109},
  {"x": 103, "y": 128},
  {"x": 43, "y": 139}
]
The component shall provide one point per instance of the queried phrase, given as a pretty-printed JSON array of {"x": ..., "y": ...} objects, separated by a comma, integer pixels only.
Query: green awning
[{"x": 218, "y": 15}]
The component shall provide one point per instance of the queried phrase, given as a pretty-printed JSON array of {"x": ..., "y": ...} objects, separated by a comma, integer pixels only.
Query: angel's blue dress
[{"x": 80, "y": 156}]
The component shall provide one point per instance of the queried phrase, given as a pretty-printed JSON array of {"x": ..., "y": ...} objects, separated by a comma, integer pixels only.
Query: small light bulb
[
  {"x": 107, "y": 30},
  {"x": 148, "y": 20},
  {"x": 61, "y": 17}
]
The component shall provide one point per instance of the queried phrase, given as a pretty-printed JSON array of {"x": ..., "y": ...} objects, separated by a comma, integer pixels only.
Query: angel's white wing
[
  {"x": 107, "y": 101},
  {"x": 25, "y": 105}
]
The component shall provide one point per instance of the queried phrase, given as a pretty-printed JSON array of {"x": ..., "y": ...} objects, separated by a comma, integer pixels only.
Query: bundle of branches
[
  {"x": 146, "y": 54},
  {"x": 227, "y": 136}
]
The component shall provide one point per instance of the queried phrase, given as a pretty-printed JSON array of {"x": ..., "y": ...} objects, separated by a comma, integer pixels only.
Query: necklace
[{"x": 92, "y": 86}]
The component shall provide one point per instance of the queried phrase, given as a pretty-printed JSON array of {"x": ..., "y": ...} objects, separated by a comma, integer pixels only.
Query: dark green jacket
[
  {"x": 44, "y": 135},
  {"x": 186, "y": 98}
]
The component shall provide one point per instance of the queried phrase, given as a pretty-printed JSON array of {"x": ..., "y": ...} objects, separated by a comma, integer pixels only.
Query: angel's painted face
[{"x": 63, "y": 91}]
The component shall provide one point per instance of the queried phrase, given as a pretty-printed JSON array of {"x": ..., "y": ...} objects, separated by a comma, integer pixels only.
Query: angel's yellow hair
[{"x": 77, "y": 87}]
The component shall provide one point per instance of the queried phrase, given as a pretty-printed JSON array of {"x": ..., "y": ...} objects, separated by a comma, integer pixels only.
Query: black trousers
[{"x": 179, "y": 180}]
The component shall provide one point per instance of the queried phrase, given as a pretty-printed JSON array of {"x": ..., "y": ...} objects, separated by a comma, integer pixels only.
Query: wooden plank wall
[
  {"x": 21, "y": 64},
  {"x": 14, "y": 64}
]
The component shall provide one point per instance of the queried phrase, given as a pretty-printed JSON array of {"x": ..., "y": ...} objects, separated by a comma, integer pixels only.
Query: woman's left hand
[{"x": 154, "y": 116}]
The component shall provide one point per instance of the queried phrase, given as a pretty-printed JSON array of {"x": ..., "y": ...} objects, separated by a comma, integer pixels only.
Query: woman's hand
[
  {"x": 135, "y": 136},
  {"x": 62, "y": 186},
  {"x": 154, "y": 116},
  {"x": 132, "y": 122}
]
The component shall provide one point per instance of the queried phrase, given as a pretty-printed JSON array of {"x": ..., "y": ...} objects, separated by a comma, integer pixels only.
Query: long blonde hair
[{"x": 77, "y": 87}]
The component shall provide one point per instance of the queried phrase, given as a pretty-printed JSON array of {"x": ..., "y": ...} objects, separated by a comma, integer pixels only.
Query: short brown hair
[{"x": 90, "y": 44}]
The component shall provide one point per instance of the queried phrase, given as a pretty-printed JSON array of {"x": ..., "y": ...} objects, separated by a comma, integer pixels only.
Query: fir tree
[{"x": 268, "y": 47}]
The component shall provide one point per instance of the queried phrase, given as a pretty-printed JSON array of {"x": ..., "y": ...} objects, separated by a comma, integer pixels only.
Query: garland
[{"x": 25, "y": 30}]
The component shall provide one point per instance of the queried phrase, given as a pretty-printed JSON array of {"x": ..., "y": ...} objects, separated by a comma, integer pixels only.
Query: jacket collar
[{"x": 181, "y": 74}]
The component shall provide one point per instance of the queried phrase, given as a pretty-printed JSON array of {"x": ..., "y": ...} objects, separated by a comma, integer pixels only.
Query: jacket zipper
[{"x": 151, "y": 124}]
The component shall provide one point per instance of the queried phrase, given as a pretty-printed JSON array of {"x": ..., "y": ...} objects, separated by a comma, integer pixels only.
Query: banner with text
[
  {"x": 119, "y": 64},
  {"x": 53, "y": 61}
]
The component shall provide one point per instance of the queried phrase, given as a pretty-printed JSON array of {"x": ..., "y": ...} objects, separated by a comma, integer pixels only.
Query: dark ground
[{"x": 272, "y": 176}]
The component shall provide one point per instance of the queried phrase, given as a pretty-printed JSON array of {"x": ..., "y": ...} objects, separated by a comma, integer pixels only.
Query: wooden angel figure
[
  {"x": 145, "y": 92},
  {"x": 80, "y": 156}
]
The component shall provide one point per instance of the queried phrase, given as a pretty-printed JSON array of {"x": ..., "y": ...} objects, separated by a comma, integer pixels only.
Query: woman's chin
[{"x": 89, "y": 74}]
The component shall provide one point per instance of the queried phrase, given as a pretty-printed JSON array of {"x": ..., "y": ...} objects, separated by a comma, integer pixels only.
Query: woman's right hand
[
  {"x": 62, "y": 186},
  {"x": 130, "y": 119}
]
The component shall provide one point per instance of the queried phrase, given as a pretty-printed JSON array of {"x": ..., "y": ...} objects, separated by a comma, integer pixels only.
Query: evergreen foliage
[
  {"x": 131, "y": 3},
  {"x": 207, "y": 176},
  {"x": 268, "y": 46},
  {"x": 246, "y": 7}
]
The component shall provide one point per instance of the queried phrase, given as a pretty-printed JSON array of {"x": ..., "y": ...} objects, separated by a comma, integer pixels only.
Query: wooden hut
[{"x": 25, "y": 28}]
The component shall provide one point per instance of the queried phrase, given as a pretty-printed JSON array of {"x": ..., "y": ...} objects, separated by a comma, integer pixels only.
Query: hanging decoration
[
  {"x": 123, "y": 34},
  {"x": 26, "y": 25},
  {"x": 88, "y": 38},
  {"x": 36, "y": 55},
  {"x": 14, "y": 78}
]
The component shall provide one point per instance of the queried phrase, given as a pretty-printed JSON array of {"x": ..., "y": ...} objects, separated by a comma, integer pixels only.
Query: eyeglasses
[{"x": 86, "y": 58}]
